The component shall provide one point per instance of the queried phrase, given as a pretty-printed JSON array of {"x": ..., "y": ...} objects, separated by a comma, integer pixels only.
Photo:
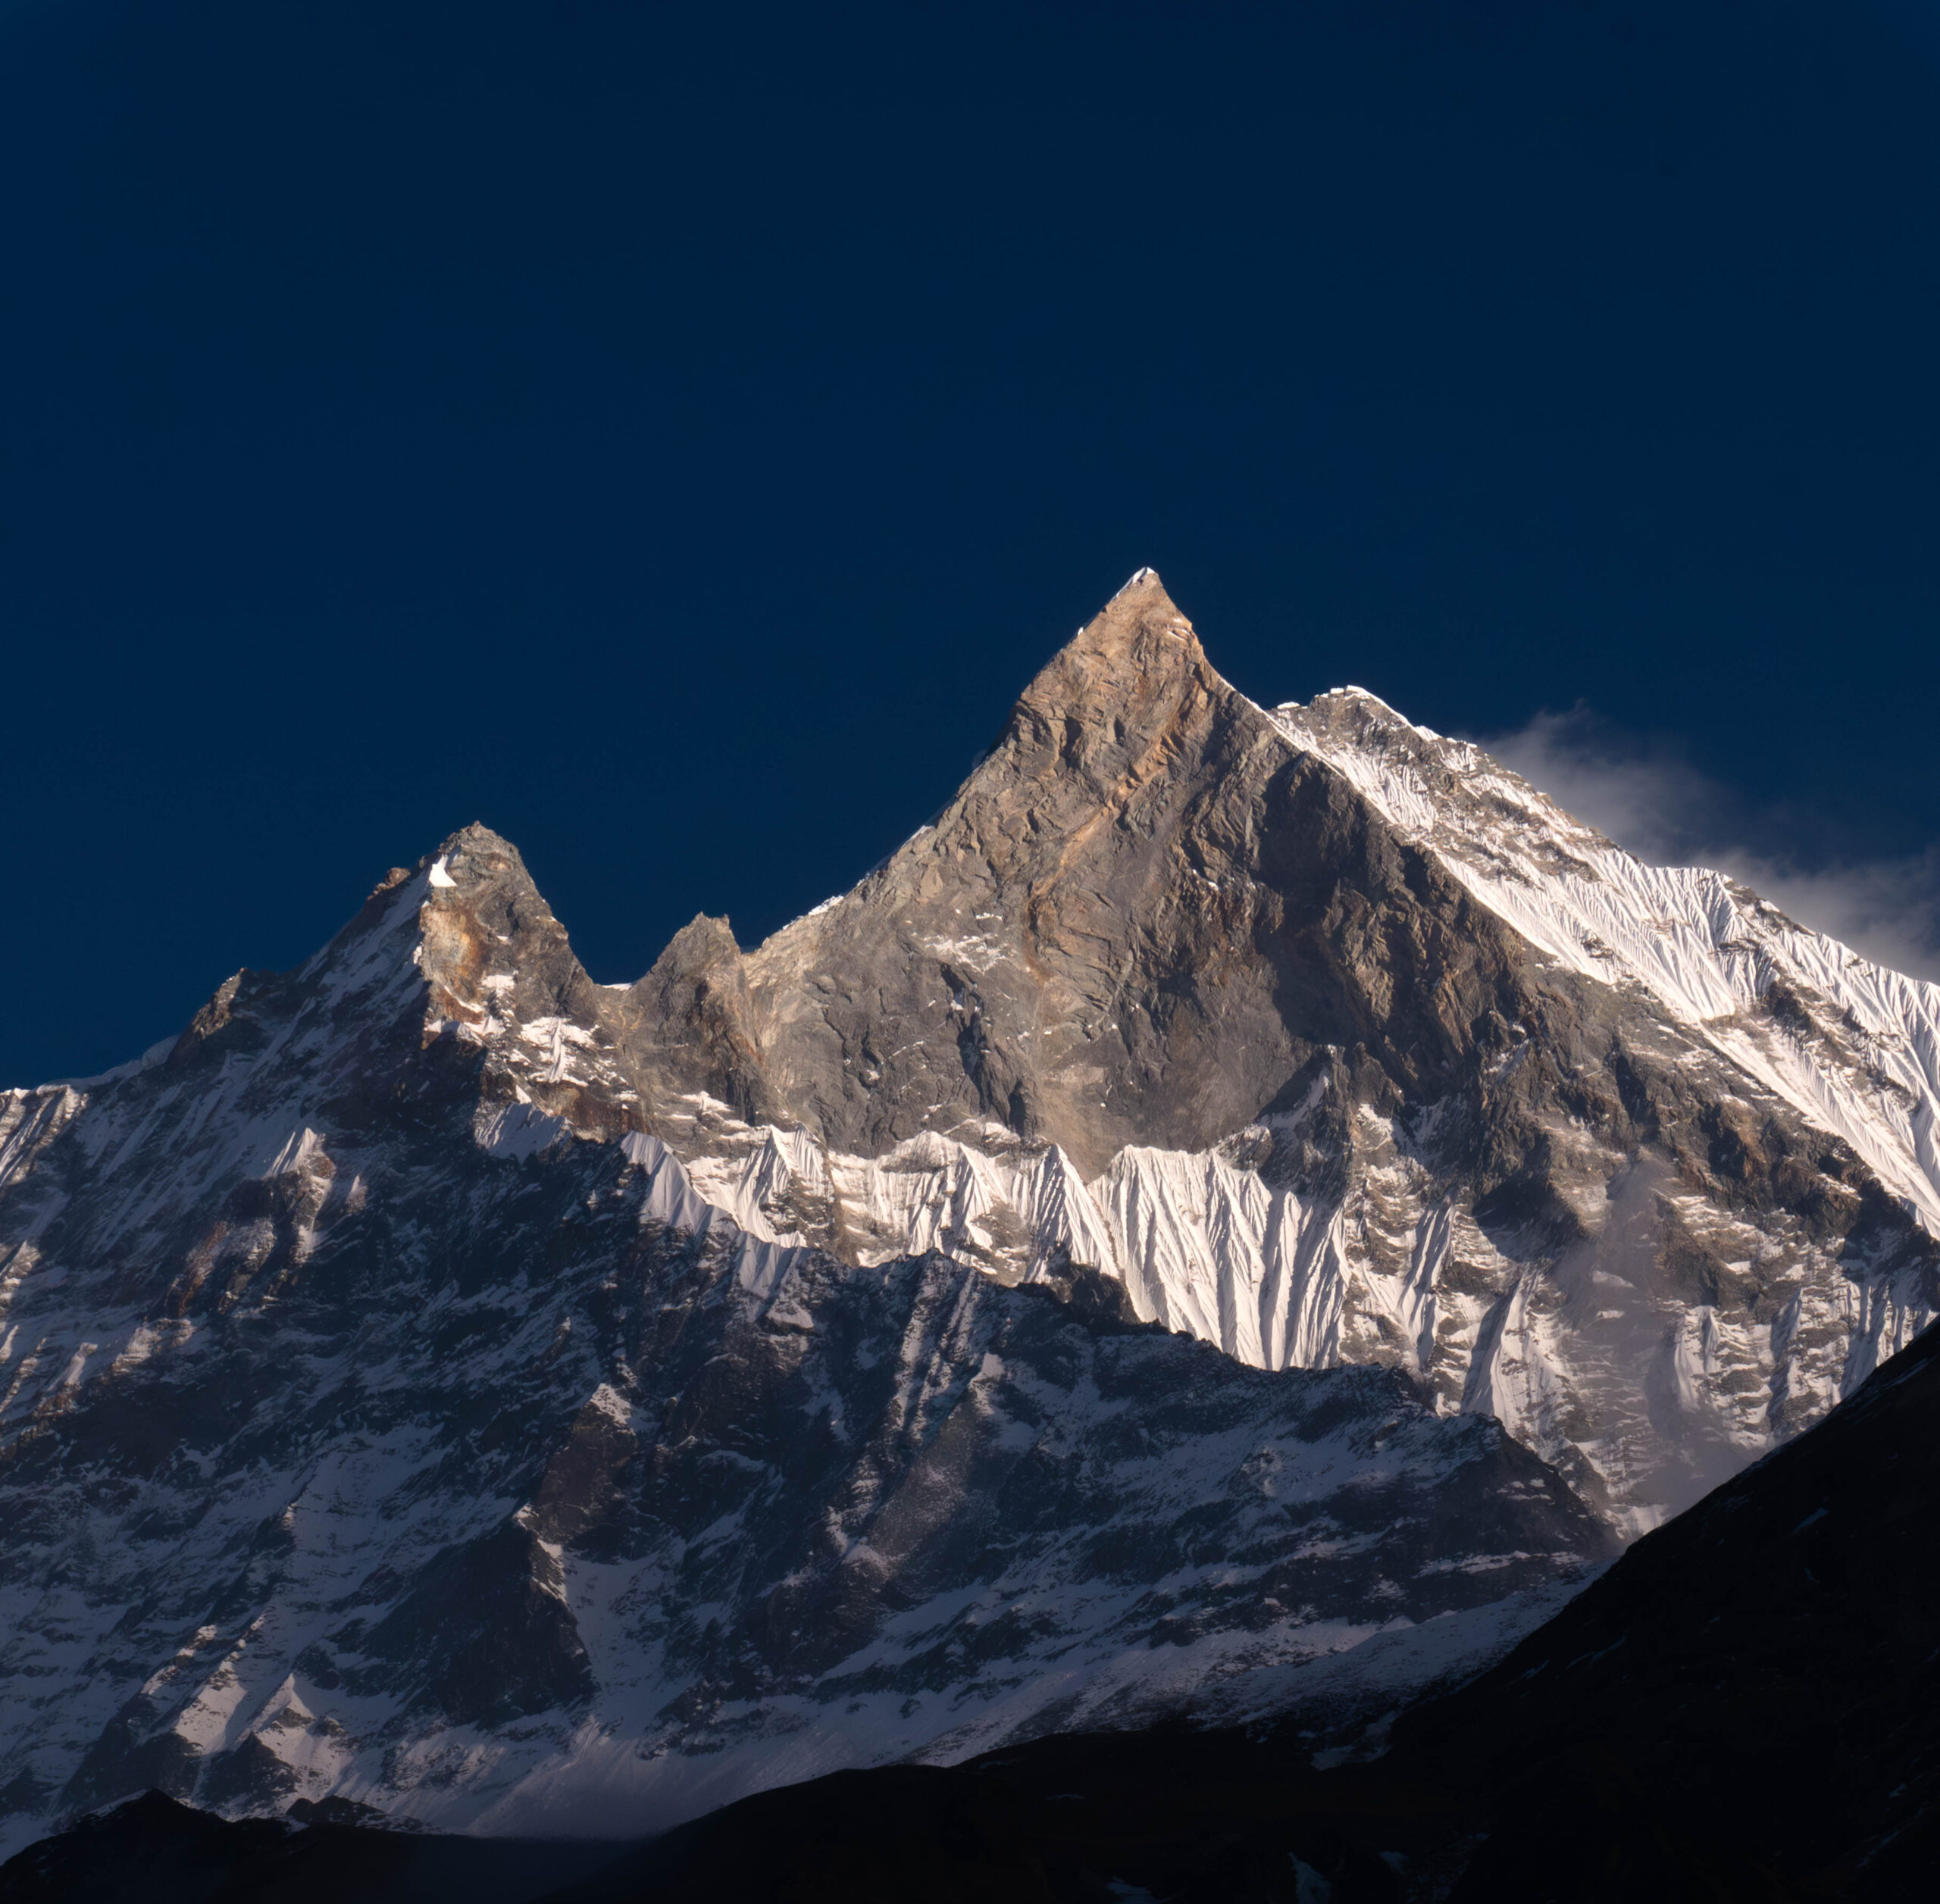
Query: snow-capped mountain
[
  {"x": 386, "y": 1414},
  {"x": 441, "y": 1380},
  {"x": 1332, "y": 1041}
]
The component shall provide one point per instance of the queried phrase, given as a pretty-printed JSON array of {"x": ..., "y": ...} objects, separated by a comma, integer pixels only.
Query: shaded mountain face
[
  {"x": 438, "y": 1380},
  {"x": 1744, "y": 1708}
]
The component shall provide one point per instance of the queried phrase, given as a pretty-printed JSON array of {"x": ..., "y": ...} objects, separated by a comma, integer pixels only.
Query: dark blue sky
[{"x": 672, "y": 436}]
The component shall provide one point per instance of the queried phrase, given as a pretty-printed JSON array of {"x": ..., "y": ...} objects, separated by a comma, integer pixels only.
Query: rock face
[{"x": 439, "y": 1381}]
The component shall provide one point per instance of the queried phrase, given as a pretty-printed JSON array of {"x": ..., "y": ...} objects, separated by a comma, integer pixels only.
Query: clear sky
[{"x": 672, "y": 434}]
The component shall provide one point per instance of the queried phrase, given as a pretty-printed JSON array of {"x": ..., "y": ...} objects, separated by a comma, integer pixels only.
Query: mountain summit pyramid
[
  {"x": 439, "y": 1380},
  {"x": 1142, "y": 921},
  {"x": 1329, "y": 1039}
]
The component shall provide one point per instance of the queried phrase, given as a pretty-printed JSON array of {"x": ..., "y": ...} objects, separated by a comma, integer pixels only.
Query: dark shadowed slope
[
  {"x": 1747, "y": 1706},
  {"x": 152, "y": 1850}
]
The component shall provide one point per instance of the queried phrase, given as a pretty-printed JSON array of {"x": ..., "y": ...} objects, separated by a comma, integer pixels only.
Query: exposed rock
[{"x": 689, "y": 1024}]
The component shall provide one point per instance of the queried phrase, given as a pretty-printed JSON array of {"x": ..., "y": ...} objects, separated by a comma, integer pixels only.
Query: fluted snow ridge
[{"x": 1394, "y": 1270}]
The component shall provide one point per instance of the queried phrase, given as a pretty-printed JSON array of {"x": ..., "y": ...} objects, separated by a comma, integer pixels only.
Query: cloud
[{"x": 1661, "y": 809}]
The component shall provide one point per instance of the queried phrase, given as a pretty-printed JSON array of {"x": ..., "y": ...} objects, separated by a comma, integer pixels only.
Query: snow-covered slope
[{"x": 1853, "y": 1047}]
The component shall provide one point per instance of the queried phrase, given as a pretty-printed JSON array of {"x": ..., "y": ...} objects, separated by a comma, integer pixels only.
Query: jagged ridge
[{"x": 389, "y": 1417}]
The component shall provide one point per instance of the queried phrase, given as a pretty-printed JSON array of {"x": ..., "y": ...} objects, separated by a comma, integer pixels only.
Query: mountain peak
[
  {"x": 1144, "y": 579},
  {"x": 478, "y": 848},
  {"x": 689, "y": 1025},
  {"x": 1141, "y": 621},
  {"x": 1112, "y": 701}
]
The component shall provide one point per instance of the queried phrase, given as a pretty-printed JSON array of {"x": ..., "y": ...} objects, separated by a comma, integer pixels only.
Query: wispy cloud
[{"x": 1664, "y": 810}]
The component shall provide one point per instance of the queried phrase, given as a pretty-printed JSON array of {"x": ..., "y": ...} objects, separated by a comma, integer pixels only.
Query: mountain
[
  {"x": 1332, "y": 1041},
  {"x": 387, "y": 1416},
  {"x": 440, "y": 1381}
]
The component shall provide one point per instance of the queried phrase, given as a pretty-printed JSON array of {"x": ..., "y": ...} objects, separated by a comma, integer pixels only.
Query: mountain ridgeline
[{"x": 1239, "y": 1216}]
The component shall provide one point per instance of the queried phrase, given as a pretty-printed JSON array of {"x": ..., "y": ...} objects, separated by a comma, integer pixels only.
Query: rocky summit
[{"x": 1242, "y": 1215}]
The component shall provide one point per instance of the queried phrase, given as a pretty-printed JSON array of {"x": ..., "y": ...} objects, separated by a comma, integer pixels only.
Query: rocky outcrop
[{"x": 689, "y": 1028}]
